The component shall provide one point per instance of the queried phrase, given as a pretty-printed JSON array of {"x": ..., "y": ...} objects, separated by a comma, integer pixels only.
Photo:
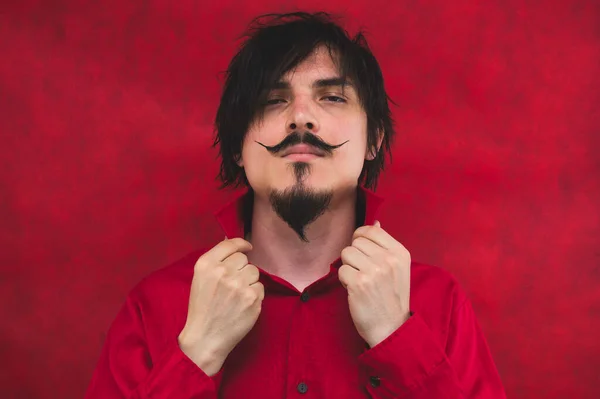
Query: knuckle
[
  {"x": 251, "y": 270},
  {"x": 260, "y": 287},
  {"x": 218, "y": 272},
  {"x": 259, "y": 291},
  {"x": 249, "y": 296},
  {"x": 362, "y": 229},
  {"x": 347, "y": 251},
  {"x": 201, "y": 264},
  {"x": 362, "y": 281},
  {"x": 391, "y": 260},
  {"x": 225, "y": 244},
  {"x": 382, "y": 273},
  {"x": 366, "y": 230},
  {"x": 234, "y": 284},
  {"x": 239, "y": 242},
  {"x": 235, "y": 241},
  {"x": 401, "y": 249},
  {"x": 239, "y": 259}
]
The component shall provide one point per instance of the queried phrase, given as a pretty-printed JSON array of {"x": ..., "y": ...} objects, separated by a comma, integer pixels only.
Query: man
[{"x": 307, "y": 295}]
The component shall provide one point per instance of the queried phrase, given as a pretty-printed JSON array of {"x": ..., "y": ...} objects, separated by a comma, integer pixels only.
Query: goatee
[{"x": 299, "y": 205}]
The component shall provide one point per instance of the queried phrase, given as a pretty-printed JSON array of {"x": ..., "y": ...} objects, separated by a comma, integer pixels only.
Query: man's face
[{"x": 308, "y": 99}]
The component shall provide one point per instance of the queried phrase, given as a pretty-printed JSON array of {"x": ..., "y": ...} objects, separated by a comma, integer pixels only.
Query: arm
[
  {"x": 126, "y": 369},
  {"x": 412, "y": 364}
]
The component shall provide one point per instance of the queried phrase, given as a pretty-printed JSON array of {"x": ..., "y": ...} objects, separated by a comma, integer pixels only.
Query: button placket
[
  {"x": 374, "y": 381},
  {"x": 299, "y": 347},
  {"x": 302, "y": 387},
  {"x": 305, "y": 296}
]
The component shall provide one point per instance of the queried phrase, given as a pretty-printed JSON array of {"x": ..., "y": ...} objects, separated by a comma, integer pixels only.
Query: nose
[
  {"x": 302, "y": 118},
  {"x": 293, "y": 126}
]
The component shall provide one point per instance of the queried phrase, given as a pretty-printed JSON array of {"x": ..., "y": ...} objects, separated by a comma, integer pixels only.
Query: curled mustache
[{"x": 306, "y": 138}]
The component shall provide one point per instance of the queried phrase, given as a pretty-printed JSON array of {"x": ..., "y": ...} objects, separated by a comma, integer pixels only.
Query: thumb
[{"x": 377, "y": 223}]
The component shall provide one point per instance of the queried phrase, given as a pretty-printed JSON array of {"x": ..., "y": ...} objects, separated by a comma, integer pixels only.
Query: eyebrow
[{"x": 327, "y": 82}]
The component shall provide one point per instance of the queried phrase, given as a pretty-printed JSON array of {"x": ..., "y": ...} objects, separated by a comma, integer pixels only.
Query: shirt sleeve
[
  {"x": 412, "y": 364},
  {"x": 126, "y": 370}
]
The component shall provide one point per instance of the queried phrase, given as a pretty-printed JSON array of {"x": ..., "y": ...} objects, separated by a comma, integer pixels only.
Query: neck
[{"x": 278, "y": 250}]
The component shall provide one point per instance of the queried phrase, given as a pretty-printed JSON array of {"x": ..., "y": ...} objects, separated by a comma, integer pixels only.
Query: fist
[
  {"x": 225, "y": 302},
  {"x": 376, "y": 274}
]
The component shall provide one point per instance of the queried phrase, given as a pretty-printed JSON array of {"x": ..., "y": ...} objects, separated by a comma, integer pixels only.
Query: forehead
[{"x": 318, "y": 65}]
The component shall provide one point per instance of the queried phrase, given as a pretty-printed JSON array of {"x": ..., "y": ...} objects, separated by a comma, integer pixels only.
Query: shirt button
[
  {"x": 302, "y": 387},
  {"x": 375, "y": 381},
  {"x": 304, "y": 297}
]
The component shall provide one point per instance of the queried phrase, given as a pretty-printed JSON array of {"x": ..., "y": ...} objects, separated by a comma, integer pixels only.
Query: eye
[
  {"x": 275, "y": 101},
  {"x": 335, "y": 99}
]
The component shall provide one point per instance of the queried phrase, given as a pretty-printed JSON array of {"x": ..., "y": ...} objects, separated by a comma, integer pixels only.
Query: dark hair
[{"x": 276, "y": 43}]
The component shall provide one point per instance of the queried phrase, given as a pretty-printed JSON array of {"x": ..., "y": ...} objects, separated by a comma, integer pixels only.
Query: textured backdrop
[{"x": 107, "y": 172}]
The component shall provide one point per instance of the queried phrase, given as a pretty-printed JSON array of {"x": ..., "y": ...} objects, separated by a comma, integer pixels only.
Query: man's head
[{"x": 303, "y": 116}]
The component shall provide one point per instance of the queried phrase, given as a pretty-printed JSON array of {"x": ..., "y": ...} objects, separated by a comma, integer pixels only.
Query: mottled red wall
[{"x": 106, "y": 171}]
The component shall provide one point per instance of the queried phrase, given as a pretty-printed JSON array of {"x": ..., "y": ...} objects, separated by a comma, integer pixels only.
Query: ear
[
  {"x": 239, "y": 161},
  {"x": 371, "y": 153}
]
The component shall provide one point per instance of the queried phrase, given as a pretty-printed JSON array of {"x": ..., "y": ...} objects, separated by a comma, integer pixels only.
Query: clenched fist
[
  {"x": 225, "y": 301},
  {"x": 376, "y": 273}
]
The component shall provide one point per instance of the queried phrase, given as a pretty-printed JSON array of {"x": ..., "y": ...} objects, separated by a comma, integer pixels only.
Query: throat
[
  {"x": 299, "y": 265},
  {"x": 280, "y": 251}
]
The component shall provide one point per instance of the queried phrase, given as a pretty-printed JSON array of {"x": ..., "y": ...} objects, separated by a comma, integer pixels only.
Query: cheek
[
  {"x": 258, "y": 162},
  {"x": 352, "y": 158},
  {"x": 356, "y": 134},
  {"x": 351, "y": 163},
  {"x": 251, "y": 149},
  {"x": 253, "y": 158}
]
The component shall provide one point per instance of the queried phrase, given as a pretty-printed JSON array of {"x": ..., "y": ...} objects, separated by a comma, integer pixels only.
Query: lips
[{"x": 302, "y": 149}]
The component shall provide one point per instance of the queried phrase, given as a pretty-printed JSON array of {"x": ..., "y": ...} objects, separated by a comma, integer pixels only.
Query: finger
[
  {"x": 347, "y": 275},
  {"x": 377, "y": 223},
  {"x": 259, "y": 289},
  {"x": 235, "y": 261},
  {"x": 249, "y": 274},
  {"x": 367, "y": 247},
  {"x": 353, "y": 257},
  {"x": 376, "y": 234},
  {"x": 228, "y": 247}
]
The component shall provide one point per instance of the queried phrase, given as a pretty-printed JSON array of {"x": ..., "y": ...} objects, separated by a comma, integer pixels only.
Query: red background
[{"x": 107, "y": 172}]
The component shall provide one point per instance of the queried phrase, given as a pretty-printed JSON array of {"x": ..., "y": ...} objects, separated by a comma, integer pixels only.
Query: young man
[{"x": 308, "y": 295}]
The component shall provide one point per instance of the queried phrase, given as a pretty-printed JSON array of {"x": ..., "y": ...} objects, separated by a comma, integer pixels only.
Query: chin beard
[{"x": 299, "y": 205}]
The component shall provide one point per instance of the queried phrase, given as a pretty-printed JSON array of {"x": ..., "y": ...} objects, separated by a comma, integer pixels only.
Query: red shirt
[{"x": 304, "y": 344}]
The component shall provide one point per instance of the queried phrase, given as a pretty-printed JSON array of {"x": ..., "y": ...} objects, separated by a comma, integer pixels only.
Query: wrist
[
  {"x": 202, "y": 353},
  {"x": 379, "y": 335}
]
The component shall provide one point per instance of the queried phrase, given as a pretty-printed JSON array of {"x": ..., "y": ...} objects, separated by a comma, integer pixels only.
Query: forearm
[{"x": 412, "y": 364}]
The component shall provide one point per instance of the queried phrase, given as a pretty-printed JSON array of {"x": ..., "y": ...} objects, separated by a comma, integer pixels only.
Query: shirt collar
[{"x": 230, "y": 216}]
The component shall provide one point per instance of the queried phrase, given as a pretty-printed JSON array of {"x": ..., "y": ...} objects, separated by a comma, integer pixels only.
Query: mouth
[{"x": 302, "y": 151}]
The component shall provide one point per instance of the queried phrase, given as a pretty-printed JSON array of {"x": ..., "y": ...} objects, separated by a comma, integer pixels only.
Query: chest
[{"x": 300, "y": 347}]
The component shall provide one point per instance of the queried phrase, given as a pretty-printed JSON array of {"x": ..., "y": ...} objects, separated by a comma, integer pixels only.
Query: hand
[
  {"x": 225, "y": 302},
  {"x": 376, "y": 273}
]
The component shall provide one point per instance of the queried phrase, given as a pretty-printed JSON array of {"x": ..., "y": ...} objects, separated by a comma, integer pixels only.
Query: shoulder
[
  {"x": 435, "y": 293},
  {"x": 158, "y": 304},
  {"x": 433, "y": 278},
  {"x": 171, "y": 280}
]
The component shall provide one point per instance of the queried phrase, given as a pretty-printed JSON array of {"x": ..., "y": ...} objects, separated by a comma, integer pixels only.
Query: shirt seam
[
  {"x": 419, "y": 383},
  {"x": 458, "y": 309}
]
